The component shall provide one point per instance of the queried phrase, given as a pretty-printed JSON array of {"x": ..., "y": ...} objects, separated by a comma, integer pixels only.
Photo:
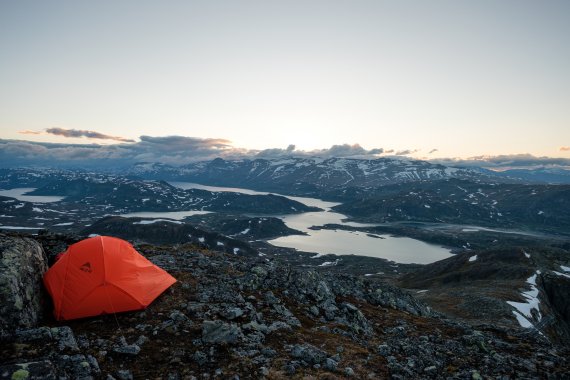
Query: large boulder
[{"x": 22, "y": 265}]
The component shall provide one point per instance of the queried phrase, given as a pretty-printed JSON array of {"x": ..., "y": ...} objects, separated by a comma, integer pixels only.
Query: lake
[
  {"x": 20, "y": 194},
  {"x": 339, "y": 242},
  {"x": 177, "y": 215}
]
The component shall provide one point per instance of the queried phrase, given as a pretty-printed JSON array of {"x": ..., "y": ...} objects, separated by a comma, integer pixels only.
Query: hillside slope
[{"x": 233, "y": 316}]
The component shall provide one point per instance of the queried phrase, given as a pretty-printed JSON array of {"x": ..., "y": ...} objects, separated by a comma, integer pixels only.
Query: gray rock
[
  {"x": 65, "y": 338},
  {"x": 330, "y": 309},
  {"x": 259, "y": 271},
  {"x": 268, "y": 352},
  {"x": 178, "y": 316},
  {"x": 308, "y": 353},
  {"x": 128, "y": 350},
  {"x": 22, "y": 266},
  {"x": 124, "y": 374},
  {"x": 290, "y": 369},
  {"x": 80, "y": 367},
  {"x": 220, "y": 332},
  {"x": 278, "y": 326},
  {"x": 349, "y": 307},
  {"x": 255, "y": 337},
  {"x": 331, "y": 364},
  {"x": 34, "y": 335},
  {"x": 349, "y": 372},
  {"x": 200, "y": 357},
  {"x": 355, "y": 319},
  {"x": 314, "y": 310},
  {"x": 255, "y": 326},
  {"x": 475, "y": 375},
  {"x": 323, "y": 292},
  {"x": 384, "y": 350},
  {"x": 270, "y": 298},
  {"x": 141, "y": 340},
  {"x": 76, "y": 367},
  {"x": 232, "y": 313},
  {"x": 94, "y": 365},
  {"x": 31, "y": 370}
]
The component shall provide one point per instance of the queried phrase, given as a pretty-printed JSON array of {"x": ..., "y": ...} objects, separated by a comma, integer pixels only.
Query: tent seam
[
  {"x": 127, "y": 293},
  {"x": 63, "y": 286}
]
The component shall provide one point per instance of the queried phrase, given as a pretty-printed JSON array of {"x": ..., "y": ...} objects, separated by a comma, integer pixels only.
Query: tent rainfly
[{"x": 103, "y": 275}]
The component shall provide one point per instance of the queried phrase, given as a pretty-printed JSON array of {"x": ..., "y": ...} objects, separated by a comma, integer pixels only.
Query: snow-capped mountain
[
  {"x": 539, "y": 175},
  {"x": 306, "y": 174}
]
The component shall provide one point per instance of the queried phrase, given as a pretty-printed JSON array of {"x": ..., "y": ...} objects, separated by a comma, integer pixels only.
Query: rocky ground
[{"x": 232, "y": 316}]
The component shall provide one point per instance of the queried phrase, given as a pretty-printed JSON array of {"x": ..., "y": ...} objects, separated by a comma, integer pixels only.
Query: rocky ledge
[{"x": 234, "y": 317}]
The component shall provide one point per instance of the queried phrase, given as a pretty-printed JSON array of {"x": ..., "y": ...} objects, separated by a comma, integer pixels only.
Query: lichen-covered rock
[
  {"x": 44, "y": 370},
  {"x": 22, "y": 265},
  {"x": 220, "y": 332}
]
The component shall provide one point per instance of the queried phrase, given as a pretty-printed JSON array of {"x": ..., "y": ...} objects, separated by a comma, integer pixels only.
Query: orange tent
[{"x": 103, "y": 275}]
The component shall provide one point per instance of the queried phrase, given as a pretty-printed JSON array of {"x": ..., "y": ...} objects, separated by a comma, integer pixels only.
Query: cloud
[
  {"x": 175, "y": 150},
  {"x": 83, "y": 133},
  {"x": 405, "y": 152},
  {"x": 184, "y": 143},
  {"x": 346, "y": 150},
  {"x": 432, "y": 151},
  {"x": 343, "y": 150},
  {"x": 28, "y": 132},
  {"x": 565, "y": 148},
  {"x": 503, "y": 162},
  {"x": 180, "y": 150}
]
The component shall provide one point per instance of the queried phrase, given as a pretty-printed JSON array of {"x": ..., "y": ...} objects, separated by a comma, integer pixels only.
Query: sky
[{"x": 426, "y": 79}]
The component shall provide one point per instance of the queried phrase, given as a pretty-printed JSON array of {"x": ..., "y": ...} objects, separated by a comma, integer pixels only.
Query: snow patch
[
  {"x": 158, "y": 220},
  {"x": 329, "y": 263},
  {"x": 236, "y": 250},
  {"x": 63, "y": 224},
  {"x": 18, "y": 228},
  {"x": 523, "y": 311},
  {"x": 562, "y": 274},
  {"x": 565, "y": 269},
  {"x": 473, "y": 258}
]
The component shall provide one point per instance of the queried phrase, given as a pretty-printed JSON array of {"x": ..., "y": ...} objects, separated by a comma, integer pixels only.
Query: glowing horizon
[{"x": 465, "y": 79}]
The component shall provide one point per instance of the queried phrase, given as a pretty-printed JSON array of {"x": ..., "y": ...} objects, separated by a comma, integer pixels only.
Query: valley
[{"x": 387, "y": 219}]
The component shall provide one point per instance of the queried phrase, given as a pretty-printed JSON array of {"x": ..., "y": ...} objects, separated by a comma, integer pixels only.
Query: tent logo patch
[{"x": 86, "y": 267}]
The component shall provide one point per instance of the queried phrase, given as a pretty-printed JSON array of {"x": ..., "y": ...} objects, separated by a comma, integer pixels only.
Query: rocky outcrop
[
  {"x": 556, "y": 289},
  {"x": 22, "y": 265},
  {"x": 232, "y": 317},
  {"x": 57, "y": 351}
]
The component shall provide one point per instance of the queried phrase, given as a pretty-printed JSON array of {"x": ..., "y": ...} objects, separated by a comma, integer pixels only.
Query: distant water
[
  {"x": 177, "y": 215},
  {"x": 340, "y": 242},
  {"x": 19, "y": 194}
]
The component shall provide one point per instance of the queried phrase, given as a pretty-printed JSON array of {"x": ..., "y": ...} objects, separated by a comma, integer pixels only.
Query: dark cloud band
[{"x": 84, "y": 133}]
